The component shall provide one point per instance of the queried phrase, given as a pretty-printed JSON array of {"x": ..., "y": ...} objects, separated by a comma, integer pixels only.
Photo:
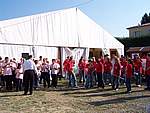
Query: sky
[{"x": 113, "y": 15}]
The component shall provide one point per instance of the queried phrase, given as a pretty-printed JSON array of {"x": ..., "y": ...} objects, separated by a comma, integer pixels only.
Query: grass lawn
[{"x": 64, "y": 100}]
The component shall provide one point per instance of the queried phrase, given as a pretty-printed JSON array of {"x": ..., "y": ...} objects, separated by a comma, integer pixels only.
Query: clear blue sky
[{"x": 113, "y": 15}]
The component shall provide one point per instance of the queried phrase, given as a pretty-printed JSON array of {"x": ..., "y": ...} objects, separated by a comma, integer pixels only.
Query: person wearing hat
[{"x": 148, "y": 73}]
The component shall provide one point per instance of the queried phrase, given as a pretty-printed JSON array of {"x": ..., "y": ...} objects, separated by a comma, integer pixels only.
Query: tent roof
[{"x": 64, "y": 28}]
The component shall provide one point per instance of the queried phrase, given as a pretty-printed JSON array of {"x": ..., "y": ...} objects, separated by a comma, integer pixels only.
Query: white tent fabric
[{"x": 64, "y": 28}]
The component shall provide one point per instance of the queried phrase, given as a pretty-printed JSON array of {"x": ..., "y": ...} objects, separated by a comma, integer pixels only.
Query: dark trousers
[
  {"x": 2, "y": 80},
  {"x": 148, "y": 82},
  {"x": 8, "y": 79},
  {"x": 100, "y": 79},
  {"x": 14, "y": 78},
  {"x": 46, "y": 78},
  {"x": 28, "y": 81},
  {"x": 128, "y": 84},
  {"x": 18, "y": 84},
  {"x": 115, "y": 84},
  {"x": 36, "y": 80},
  {"x": 54, "y": 80},
  {"x": 81, "y": 76}
]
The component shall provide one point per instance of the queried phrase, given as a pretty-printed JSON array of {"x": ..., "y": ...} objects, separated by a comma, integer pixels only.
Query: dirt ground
[{"x": 79, "y": 100}]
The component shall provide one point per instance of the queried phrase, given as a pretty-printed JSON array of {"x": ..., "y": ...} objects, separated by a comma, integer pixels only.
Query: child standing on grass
[
  {"x": 19, "y": 77},
  {"x": 129, "y": 75}
]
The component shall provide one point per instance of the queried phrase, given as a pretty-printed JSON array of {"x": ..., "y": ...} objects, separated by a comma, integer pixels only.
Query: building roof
[
  {"x": 143, "y": 25},
  {"x": 139, "y": 49}
]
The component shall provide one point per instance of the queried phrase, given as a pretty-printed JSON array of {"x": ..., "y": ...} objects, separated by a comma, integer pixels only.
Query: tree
[{"x": 145, "y": 19}]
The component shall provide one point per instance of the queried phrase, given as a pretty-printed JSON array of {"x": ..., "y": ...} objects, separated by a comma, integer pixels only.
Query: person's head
[
  {"x": 36, "y": 61},
  {"x": 30, "y": 56},
  {"x": 71, "y": 58},
  {"x": 53, "y": 61},
  {"x": 44, "y": 60},
  {"x": 0, "y": 58},
  {"x": 6, "y": 59},
  {"x": 129, "y": 61},
  {"x": 40, "y": 57},
  {"x": 67, "y": 57},
  {"x": 19, "y": 66}
]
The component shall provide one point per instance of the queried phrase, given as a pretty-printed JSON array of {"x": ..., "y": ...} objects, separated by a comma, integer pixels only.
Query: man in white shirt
[
  {"x": 29, "y": 70},
  {"x": 54, "y": 71}
]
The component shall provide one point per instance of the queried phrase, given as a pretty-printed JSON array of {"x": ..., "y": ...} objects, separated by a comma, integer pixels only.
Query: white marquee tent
[{"x": 41, "y": 34}]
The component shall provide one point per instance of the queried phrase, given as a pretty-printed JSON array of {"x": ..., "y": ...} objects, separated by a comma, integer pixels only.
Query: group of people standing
[
  {"x": 108, "y": 71},
  {"x": 28, "y": 73}
]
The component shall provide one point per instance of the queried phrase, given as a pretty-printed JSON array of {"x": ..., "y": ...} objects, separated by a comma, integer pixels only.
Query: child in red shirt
[
  {"x": 107, "y": 71},
  {"x": 138, "y": 71},
  {"x": 129, "y": 75},
  {"x": 148, "y": 72},
  {"x": 99, "y": 71},
  {"x": 116, "y": 74}
]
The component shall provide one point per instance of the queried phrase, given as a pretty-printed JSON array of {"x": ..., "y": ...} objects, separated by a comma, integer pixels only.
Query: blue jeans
[
  {"x": 138, "y": 78},
  {"x": 115, "y": 84},
  {"x": 81, "y": 76},
  {"x": 72, "y": 79},
  {"x": 89, "y": 81},
  {"x": 107, "y": 77},
  {"x": 128, "y": 84}
]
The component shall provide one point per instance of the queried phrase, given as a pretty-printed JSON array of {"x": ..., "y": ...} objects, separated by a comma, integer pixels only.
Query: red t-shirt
[
  {"x": 81, "y": 65},
  {"x": 99, "y": 67},
  {"x": 66, "y": 65},
  {"x": 138, "y": 66},
  {"x": 107, "y": 66},
  {"x": 116, "y": 70},
  {"x": 148, "y": 67},
  {"x": 89, "y": 68},
  {"x": 129, "y": 71},
  {"x": 70, "y": 66}
]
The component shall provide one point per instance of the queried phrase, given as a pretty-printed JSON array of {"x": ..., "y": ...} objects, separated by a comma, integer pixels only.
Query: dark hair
[
  {"x": 53, "y": 60},
  {"x": 30, "y": 56},
  {"x": 129, "y": 61},
  {"x": 6, "y": 58},
  {"x": 0, "y": 58},
  {"x": 18, "y": 65},
  {"x": 40, "y": 57}
]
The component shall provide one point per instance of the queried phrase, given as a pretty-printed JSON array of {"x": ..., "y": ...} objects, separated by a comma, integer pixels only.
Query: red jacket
[
  {"x": 148, "y": 67},
  {"x": 107, "y": 66},
  {"x": 129, "y": 71},
  {"x": 81, "y": 65},
  {"x": 99, "y": 67},
  {"x": 117, "y": 69},
  {"x": 138, "y": 66}
]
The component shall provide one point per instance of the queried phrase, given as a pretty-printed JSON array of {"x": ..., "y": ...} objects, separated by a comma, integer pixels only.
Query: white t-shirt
[
  {"x": 19, "y": 73},
  {"x": 54, "y": 68},
  {"x": 7, "y": 69}
]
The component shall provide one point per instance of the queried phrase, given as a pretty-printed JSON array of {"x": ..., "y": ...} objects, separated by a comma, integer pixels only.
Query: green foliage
[{"x": 145, "y": 19}]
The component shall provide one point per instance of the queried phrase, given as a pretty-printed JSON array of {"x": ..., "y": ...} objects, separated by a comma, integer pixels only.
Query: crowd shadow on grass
[
  {"x": 89, "y": 91},
  {"x": 117, "y": 100},
  {"x": 11, "y": 95},
  {"x": 107, "y": 94}
]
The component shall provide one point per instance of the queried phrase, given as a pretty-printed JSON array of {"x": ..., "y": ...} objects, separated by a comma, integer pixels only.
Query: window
[{"x": 137, "y": 34}]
